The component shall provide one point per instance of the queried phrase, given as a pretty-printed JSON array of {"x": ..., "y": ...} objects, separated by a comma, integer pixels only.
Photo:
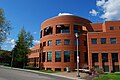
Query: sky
[{"x": 31, "y": 13}]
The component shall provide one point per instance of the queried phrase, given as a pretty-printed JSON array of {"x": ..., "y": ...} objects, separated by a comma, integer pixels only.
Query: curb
[{"x": 52, "y": 74}]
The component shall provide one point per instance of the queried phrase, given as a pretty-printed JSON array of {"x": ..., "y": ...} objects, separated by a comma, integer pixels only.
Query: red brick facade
[{"x": 58, "y": 44}]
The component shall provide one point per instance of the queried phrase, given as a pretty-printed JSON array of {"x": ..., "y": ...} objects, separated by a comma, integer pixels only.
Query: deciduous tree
[{"x": 4, "y": 27}]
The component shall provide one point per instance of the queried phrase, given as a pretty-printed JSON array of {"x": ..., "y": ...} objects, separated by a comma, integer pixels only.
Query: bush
[{"x": 100, "y": 71}]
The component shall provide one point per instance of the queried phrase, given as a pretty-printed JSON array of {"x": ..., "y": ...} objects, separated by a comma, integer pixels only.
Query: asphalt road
[{"x": 10, "y": 74}]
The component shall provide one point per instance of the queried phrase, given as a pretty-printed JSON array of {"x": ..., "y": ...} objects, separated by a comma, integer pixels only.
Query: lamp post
[
  {"x": 12, "y": 58},
  {"x": 77, "y": 37}
]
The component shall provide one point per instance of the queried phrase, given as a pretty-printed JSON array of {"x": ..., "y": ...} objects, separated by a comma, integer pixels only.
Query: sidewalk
[{"x": 69, "y": 75}]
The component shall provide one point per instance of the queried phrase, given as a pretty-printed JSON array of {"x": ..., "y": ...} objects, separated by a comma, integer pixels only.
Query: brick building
[{"x": 99, "y": 44}]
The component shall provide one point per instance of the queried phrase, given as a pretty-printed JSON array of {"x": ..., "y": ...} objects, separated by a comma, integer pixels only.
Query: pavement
[{"x": 69, "y": 75}]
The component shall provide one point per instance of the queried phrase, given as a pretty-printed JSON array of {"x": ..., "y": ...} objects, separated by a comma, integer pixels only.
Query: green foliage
[
  {"x": 109, "y": 76},
  {"x": 4, "y": 27},
  {"x": 22, "y": 48},
  {"x": 5, "y": 57}
]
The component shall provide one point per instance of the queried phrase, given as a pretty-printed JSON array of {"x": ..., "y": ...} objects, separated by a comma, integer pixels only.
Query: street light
[
  {"x": 12, "y": 53},
  {"x": 77, "y": 37}
]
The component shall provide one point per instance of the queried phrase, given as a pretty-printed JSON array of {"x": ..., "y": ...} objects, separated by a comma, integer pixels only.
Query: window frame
[
  {"x": 111, "y": 27},
  {"x": 92, "y": 40},
  {"x": 104, "y": 57},
  {"x": 102, "y": 41},
  {"x": 112, "y": 41},
  {"x": 56, "y": 57},
  {"x": 62, "y": 28},
  {"x": 49, "y": 42},
  {"x": 66, "y": 58},
  {"x": 66, "y": 42},
  {"x": 49, "y": 57},
  {"x": 58, "y": 42}
]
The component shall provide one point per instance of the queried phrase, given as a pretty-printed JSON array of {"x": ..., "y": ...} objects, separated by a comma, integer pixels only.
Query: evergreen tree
[{"x": 21, "y": 48}]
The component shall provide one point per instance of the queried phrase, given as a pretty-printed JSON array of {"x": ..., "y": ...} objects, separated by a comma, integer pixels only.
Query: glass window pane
[
  {"x": 106, "y": 68},
  {"x": 66, "y": 56},
  {"x": 113, "y": 40},
  {"x": 77, "y": 28},
  {"x": 115, "y": 57},
  {"x": 49, "y": 56},
  {"x": 94, "y": 40},
  {"x": 49, "y": 42},
  {"x": 103, "y": 40},
  {"x": 66, "y": 42},
  {"x": 95, "y": 57},
  {"x": 57, "y": 56},
  {"x": 105, "y": 57},
  {"x": 48, "y": 31},
  {"x": 111, "y": 28},
  {"x": 58, "y": 42},
  {"x": 61, "y": 28},
  {"x": 116, "y": 68},
  {"x": 44, "y": 44},
  {"x": 43, "y": 57}
]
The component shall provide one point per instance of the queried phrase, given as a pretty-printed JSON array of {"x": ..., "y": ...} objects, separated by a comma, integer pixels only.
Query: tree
[
  {"x": 5, "y": 57},
  {"x": 21, "y": 48},
  {"x": 4, "y": 27}
]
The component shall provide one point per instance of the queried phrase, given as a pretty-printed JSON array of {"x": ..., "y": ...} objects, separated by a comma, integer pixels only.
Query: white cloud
[
  {"x": 34, "y": 32},
  {"x": 36, "y": 41},
  {"x": 93, "y": 12},
  {"x": 61, "y": 14},
  {"x": 12, "y": 46},
  {"x": 100, "y": 2},
  {"x": 10, "y": 41},
  {"x": 111, "y": 9}
]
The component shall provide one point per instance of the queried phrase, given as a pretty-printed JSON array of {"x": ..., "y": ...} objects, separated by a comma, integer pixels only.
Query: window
[
  {"x": 86, "y": 57},
  {"x": 116, "y": 68},
  {"x": 40, "y": 45},
  {"x": 106, "y": 68},
  {"x": 75, "y": 42},
  {"x": 48, "y": 31},
  {"x": 58, "y": 42},
  {"x": 62, "y": 28},
  {"x": 113, "y": 40},
  {"x": 103, "y": 40},
  {"x": 43, "y": 57},
  {"x": 94, "y": 57},
  {"x": 66, "y": 42},
  {"x": 57, "y": 56},
  {"x": 115, "y": 57},
  {"x": 41, "y": 34},
  {"x": 66, "y": 56},
  {"x": 94, "y": 40},
  {"x": 44, "y": 44},
  {"x": 49, "y": 56},
  {"x": 77, "y": 28},
  {"x": 50, "y": 43},
  {"x": 111, "y": 28},
  {"x": 105, "y": 57},
  {"x": 85, "y": 43}
]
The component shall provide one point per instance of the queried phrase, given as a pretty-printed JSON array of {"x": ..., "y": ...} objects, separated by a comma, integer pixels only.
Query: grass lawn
[{"x": 109, "y": 76}]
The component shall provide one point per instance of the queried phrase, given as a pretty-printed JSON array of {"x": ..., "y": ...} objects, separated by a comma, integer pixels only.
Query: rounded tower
[{"x": 58, "y": 42}]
